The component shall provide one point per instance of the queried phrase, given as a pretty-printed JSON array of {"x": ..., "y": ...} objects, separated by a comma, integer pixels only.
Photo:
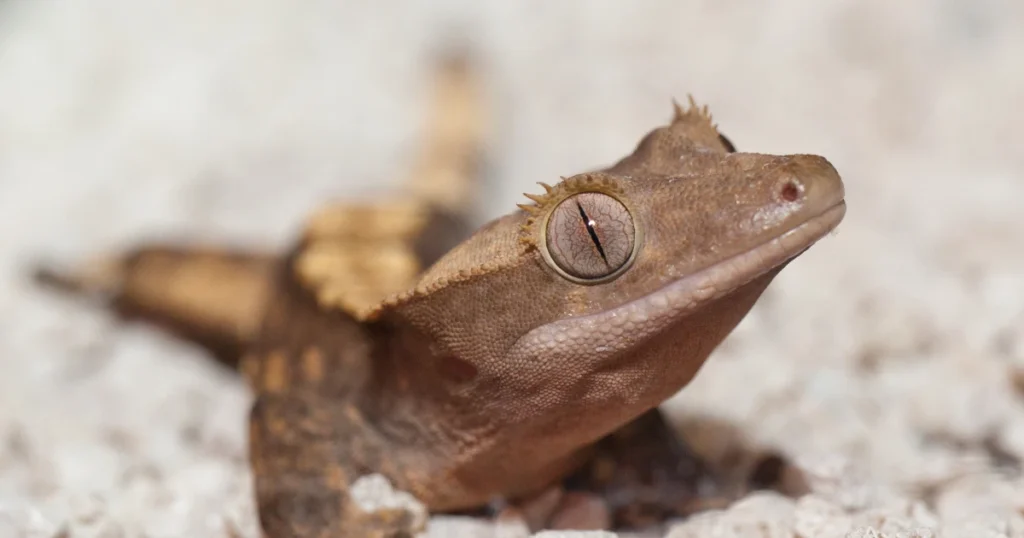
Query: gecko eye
[{"x": 590, "y": 236}]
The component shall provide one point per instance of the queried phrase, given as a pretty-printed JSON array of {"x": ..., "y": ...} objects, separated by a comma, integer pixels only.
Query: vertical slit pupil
[{"x": 593, "y": 233}]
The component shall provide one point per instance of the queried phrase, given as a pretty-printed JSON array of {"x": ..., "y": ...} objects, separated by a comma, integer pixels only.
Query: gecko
[{"x": 467, "y": 366}]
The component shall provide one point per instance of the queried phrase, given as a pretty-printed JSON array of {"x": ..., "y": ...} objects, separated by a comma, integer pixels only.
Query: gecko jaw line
[{"x": 625, "y": 326}]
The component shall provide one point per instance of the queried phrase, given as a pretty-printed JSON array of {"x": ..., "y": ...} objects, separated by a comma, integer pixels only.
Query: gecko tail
[
  {"x": 210, "y": 296},
  {"x": 98, "y": 280},
  {"x": 453, "y": 156}
]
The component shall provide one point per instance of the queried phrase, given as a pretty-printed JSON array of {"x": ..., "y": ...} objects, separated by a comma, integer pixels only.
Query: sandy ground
[{"x": 884, "y": 362}]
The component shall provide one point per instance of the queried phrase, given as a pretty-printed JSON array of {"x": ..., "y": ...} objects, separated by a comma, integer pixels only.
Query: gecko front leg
[{"x": 304, "y": 472}]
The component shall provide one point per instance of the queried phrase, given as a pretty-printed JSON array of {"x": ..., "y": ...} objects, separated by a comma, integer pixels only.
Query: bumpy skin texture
[{"x": 504, "y": 366}]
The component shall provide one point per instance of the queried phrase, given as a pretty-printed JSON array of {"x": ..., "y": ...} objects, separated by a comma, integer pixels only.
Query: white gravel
[{"x": 884, "y": 361}]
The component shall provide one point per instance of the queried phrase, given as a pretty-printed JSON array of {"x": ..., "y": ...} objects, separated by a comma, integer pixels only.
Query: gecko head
[
  {"x": 658, "y": 262},
  {"x": 610, "y": 290},
  {"x": 659, "y": 269}
]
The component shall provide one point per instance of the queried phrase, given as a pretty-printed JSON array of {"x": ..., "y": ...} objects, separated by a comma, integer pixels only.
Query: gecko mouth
[
  {"x": 731, "y": 273},
  {"x": 624, "y": 327}
]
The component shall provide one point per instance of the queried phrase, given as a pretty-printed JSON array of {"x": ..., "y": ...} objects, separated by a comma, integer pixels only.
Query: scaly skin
[{"x": 497, "y": 370}]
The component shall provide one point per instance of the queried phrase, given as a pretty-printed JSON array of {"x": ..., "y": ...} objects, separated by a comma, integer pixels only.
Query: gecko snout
[{"x": 813, "y": 180}]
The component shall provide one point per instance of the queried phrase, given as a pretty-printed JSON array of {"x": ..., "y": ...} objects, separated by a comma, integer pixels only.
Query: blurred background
[{"x": 887, "y": 362}]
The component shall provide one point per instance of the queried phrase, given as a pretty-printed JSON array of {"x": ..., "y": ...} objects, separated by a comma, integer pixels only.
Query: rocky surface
[{"x": 886, "y": 363}]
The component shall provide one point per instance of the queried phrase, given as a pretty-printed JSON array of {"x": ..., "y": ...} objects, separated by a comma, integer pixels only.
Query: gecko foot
[{"x": 646, "y": 475}]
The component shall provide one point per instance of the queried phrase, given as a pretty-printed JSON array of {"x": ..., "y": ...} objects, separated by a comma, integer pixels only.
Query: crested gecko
[{"x": 466, "y": 367}]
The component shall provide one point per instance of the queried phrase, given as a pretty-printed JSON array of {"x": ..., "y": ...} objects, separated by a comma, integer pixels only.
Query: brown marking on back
[
  {"x": 275, "y": 372},
  {"x": 313, "y": 365},
  {"x": 250, "y": 367},
  {"x": 353, "y": 414}
]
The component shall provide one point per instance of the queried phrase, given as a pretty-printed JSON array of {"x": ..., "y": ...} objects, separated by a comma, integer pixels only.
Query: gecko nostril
[{"x": 791, "y": 191}]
